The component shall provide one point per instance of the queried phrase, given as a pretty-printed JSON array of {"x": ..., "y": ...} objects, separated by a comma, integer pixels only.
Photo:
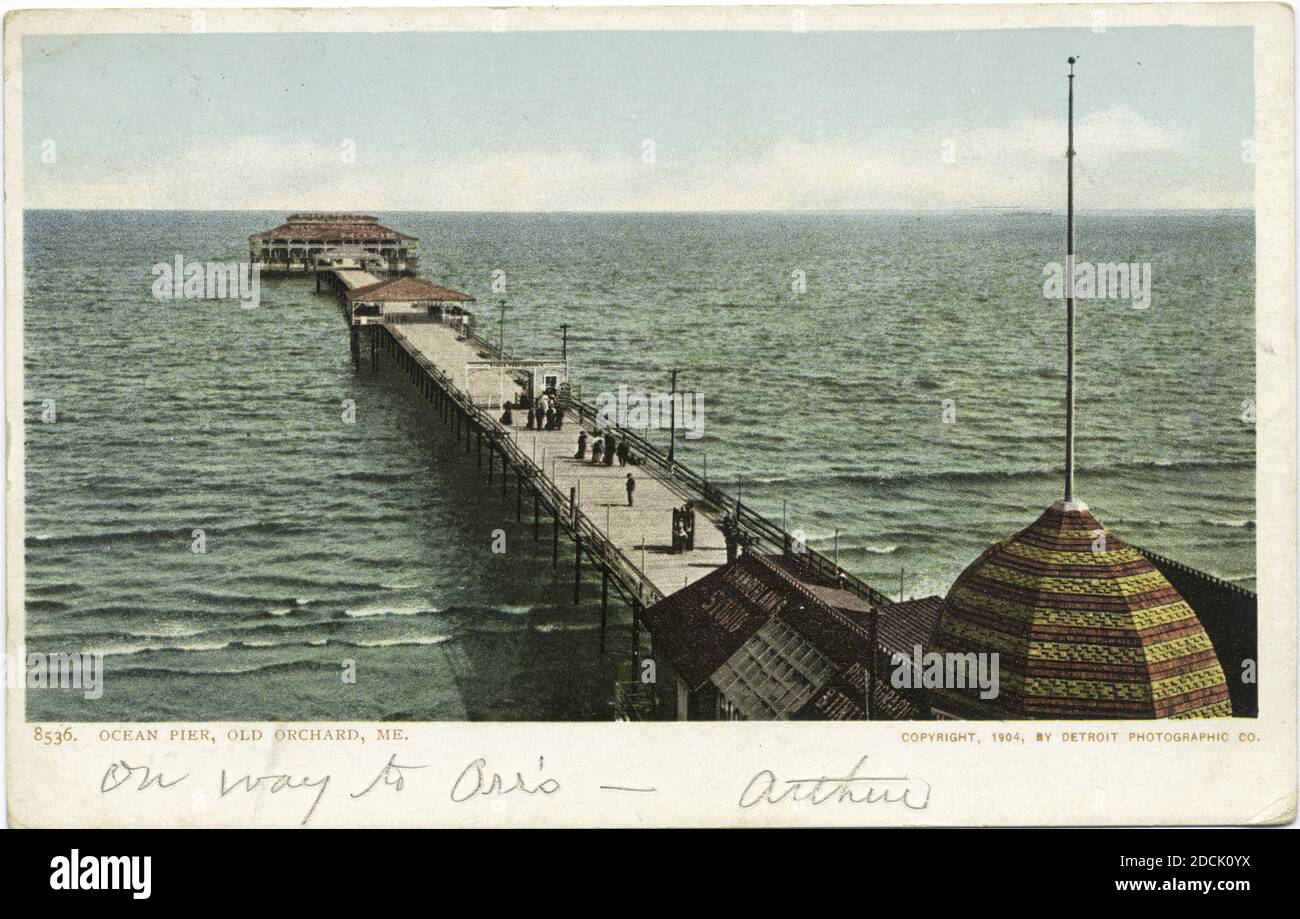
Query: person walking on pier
[
  {"x": 679, "y": 530},
  {"x": 559, "y": 418},
  {"x": 623, "y": 451},
  {"x": 610, "y": 443},
  {"x": 530, "y": 418},
  {"x": 688, "y": 520},
  {"x": 506, "y": 418},
  {"x": 597, "y": 451},
  {"x": 582, "y": 446},
  {"x": 550, "y": 417},
  {"x": 631, "y": 487}
]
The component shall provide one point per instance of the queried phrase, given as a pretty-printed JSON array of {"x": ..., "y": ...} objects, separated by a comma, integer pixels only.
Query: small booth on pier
[{"x": 521, "y": 382}]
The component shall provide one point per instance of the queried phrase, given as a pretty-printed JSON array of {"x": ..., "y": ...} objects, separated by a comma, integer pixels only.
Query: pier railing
[
  {"x": 1188, "y": 570},
  {"x": 592, "y": 537},
  {"x": 811, "y": 563}
]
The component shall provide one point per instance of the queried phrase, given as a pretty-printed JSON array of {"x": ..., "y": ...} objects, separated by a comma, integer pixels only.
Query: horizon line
[{"x": 886, "y": 210}]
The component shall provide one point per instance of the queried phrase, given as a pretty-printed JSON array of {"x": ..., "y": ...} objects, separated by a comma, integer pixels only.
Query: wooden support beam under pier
[
  {"x": 604, "y": 604},
  {"x": 577, "y": 567}
]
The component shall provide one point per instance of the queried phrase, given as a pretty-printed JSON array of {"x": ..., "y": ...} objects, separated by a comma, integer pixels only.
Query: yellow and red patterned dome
[{"x": 1084, "y": 626}]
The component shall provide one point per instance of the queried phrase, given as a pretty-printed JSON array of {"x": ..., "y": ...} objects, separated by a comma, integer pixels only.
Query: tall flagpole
[{"x": 1069, "y": 298}]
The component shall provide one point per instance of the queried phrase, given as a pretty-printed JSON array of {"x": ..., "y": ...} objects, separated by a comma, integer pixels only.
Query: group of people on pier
[
  {"x": 546, "y": 414},
  {"x": 604, "y": 450},
  {"x": 684, "y": 528}
]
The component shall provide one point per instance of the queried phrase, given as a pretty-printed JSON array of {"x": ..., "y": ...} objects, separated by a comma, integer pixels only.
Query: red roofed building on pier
[
  {"x": 298, "y": 245},
  {"x": 403, "y": 299}
]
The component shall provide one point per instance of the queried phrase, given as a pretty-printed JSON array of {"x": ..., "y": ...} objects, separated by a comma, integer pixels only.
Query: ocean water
[{"x": 370, "y": 542}]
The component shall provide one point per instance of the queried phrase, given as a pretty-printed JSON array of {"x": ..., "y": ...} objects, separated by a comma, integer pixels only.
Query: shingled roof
[
  {"x": 346, "y": 227},
  {"x": 405, "y": 289},
  {"x": 777, "y": 650},
  {"x": 1084, "y": 627},
  {"x": 700, "y": 626}
]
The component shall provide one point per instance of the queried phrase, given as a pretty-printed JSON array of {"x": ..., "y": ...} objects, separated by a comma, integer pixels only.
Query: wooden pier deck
[
  {"x": 351, "y": 278},
  {"x": 641, "y": 535}
]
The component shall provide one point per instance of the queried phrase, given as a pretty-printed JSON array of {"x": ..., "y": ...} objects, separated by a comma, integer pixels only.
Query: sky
[{"x": 637, "y": 121}]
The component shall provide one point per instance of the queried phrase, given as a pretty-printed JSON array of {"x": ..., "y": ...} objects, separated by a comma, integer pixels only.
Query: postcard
[{"x": 714, "y": 416}]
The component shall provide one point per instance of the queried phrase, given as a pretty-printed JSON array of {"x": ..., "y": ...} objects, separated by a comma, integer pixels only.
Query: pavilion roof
[
  {"x": 342, "y": 227},
  {"x": 406, "y": 288}
]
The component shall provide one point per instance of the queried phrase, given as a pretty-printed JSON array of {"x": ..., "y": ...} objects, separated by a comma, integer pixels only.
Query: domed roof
[{"x": 1085, "y": 627}]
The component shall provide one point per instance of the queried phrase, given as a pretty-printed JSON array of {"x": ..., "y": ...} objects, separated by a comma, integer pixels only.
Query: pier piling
[
  {"x": 604, "y": 605},
  {"x": 577, "y": 567}
]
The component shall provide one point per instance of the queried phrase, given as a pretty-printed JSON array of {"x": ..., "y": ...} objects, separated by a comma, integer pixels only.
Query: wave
[
  {"x": 92, "y": 539},
  {"x": 181, "y": 534},
  {"x": 371, "y": 611},
  {"x": 420, "y": 641},
  {"x": 89, "y": 640},
  {"x": 1243, "y": 523},
  {"x": 194, "y": 647},
  {"x": 32, "y": 605},
  {"x": 273, "y": 667},
  {"x": 375, "y": 477},
  {"x": 246, "y": 644},
  {"x": 825, "y": 541}
]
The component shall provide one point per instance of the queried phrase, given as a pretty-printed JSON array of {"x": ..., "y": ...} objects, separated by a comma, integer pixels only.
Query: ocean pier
[{"x": 745, "y": 621}]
